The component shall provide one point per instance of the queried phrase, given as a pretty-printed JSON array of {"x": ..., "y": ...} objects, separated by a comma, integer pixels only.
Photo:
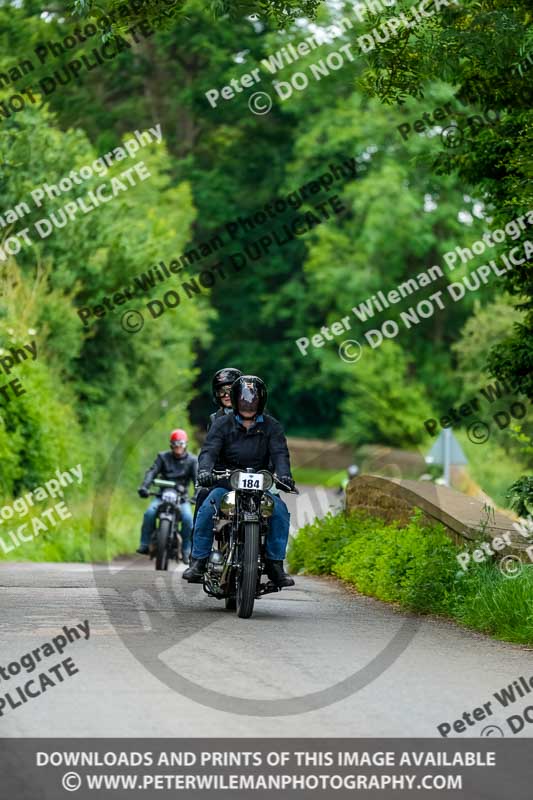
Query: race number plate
[{"x": 250, "y": 480}]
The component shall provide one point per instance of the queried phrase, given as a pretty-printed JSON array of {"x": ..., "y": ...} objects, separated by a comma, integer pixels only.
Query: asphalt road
[{"x": 163, "y": 659}]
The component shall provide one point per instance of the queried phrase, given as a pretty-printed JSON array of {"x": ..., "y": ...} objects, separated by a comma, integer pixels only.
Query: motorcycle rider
[
  {"x": 181, "y": 467},
  {"x": 246, "y": 438}
]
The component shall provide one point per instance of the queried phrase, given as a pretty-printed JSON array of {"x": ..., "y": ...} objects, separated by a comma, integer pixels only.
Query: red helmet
[{"x": 178, "y": 436}]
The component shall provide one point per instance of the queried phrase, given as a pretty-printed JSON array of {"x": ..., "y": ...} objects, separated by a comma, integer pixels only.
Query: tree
[
  {"x": 157, "y": 11},
  {"x": 82, "y": 378},
  {"x": 484, "y": 49}
]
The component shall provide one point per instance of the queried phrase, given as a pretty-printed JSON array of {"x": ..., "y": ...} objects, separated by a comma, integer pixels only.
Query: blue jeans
[
  {"x": 277, "y": 536},
  {"x": 186, "y": 525}
]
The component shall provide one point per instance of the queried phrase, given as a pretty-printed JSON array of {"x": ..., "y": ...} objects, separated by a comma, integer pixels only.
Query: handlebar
[
  {"x": 285, "y": 487},
  {"x": 225, "y": 473},
  {"x": 179, "y": 488}
]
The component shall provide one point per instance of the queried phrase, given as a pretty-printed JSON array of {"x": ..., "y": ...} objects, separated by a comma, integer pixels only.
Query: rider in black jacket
[
  {"x": 175, "y": 465},
  {"x": 246, "y": 438},
  {"x": 232, "y": 445}
]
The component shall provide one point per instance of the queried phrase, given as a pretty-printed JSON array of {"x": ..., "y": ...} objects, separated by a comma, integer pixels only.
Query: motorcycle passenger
[
  {"x": 220, "y": 388},
  {"x": 181, "y": 467},
  {"x": 246, "y": 438}
]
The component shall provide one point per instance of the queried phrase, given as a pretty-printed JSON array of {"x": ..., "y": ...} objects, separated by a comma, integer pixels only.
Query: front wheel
[
  {"x": 163, "y": 540},
  {"x": 247, "y": 579}
]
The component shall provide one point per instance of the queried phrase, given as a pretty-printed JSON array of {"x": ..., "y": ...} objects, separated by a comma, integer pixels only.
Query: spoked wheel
[
  {"x": 247, "y": 579},
  {"x": 163, "y": 539}
]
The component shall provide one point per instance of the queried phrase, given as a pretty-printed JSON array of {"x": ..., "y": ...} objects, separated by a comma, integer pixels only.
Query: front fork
[{"x": 219, "y": 587}]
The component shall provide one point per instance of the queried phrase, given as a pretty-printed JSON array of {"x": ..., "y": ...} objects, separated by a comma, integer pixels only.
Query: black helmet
[
  {"x": 249, "y": 393},
  {"x": 222, "y": 378}
]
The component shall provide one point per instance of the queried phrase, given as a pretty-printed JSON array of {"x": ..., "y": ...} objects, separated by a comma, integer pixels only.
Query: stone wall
[
  {"x": 319, "y": 453},
  {"x": 464, "y": 518}
]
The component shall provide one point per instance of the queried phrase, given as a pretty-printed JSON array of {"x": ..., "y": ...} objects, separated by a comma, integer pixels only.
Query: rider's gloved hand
[
  {"x": 287, "y": 481},
  {"x": 143, "y": 492},
  {"x": 205, "y": 478}
]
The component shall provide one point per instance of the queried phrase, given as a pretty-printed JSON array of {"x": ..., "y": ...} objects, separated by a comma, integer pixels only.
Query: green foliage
[
  {"x": 513, "y": 358},
  {"x": 159, "y": 12},
  {"x": 415, "y": 566},
  {"x": 314, "y": 476},
  {"x": 508, "y": 448},
  {"x": 495, "y": 605},
  {"x": 39, "y": 430},
  {"x": 316, "y": 547},
  {"x": 521, "y": 494},
  {"x": 483, "y": 47},
  {"x": 405, "y": 207},
  {"x": 382, "y": 404},
  {"x": 72, "y": 540},
  {"x": 495, "y": 464},
  {"x": 487, "y": 327},
  {"x": 85, "y": 380}
]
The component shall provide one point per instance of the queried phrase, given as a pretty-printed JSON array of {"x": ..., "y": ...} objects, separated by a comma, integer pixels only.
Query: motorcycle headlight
[
  {"x": 227, "y": 504},
  {"x": 169, "y": 496},
  {"x": 267, "y": 506},
  {"x": 268, "y": 480},
  {"x": 234, "y": 478}
]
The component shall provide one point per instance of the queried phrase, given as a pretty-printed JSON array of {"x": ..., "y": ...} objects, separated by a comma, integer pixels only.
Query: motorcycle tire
[
  {"x": 163, "y": 538},
  {"x": 247, "y": 579}
]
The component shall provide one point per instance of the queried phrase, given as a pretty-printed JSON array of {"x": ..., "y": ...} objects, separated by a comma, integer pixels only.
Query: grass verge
[
  {"x": 416, "y": 567},
  {"x": 70, "y": 540},
  {"x": 311, "y": 476}
]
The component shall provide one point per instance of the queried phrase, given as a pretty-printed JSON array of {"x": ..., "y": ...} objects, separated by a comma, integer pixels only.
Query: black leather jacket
[
  {"x": 169, "y": 468},
  {"x": 262, "y": 446},
  {"x": 216, "y": 415}
]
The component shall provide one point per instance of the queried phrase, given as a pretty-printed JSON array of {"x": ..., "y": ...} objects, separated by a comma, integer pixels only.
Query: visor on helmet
[{"x": 248, "y": 398}]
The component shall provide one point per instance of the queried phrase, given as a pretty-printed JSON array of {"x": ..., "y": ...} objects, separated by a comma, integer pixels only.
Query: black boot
[
  {"x": 276, "y": 573},
  {"x": 195, "y": 573},
  {"x": 142, "y": 550}
]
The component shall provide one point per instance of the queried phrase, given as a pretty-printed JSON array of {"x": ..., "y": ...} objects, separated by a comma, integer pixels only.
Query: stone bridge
[{"x": 464, "y": 518}]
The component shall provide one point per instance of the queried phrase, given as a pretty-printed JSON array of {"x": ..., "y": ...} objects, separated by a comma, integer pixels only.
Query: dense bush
[{"x": 415, "y": 566}]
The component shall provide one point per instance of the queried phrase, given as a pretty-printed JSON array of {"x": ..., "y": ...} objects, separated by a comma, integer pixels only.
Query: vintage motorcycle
[
  {"x": 166, "y": 541},
  {"x": 237, "y": 560}
]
